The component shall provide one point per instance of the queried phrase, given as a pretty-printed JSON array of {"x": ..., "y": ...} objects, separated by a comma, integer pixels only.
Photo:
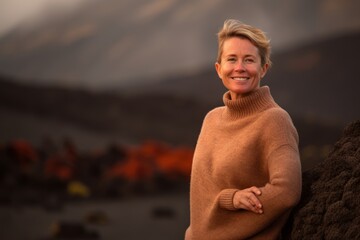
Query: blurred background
[{"x": 101, "y": 103}]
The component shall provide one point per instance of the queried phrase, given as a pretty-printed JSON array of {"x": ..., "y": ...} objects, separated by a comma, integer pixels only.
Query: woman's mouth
[{"x": 241, "y": 79}]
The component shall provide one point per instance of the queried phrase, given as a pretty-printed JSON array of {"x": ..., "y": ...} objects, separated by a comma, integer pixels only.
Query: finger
[
  {"x": 255, "y": 190},
  {"x": 250, "y": 205},
  {"x": 255, "y": 204},
  {"x": 255, "y": 201},
  {"x": 246, "y": 202}
]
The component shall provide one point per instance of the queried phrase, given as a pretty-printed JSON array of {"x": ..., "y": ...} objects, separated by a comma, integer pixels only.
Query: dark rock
[{"x": 330, "y": 205}]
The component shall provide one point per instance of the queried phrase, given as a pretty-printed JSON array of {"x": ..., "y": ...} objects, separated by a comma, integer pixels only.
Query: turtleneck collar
[{"x": 255, "y": 102}]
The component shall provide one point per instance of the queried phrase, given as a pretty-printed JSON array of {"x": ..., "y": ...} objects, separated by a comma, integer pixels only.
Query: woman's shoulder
[
  {"x": 278, "y": 124},
  {"x": 277, "y": 119},
  {"x": 277, "y": 114},
  {"x": 215, "y": 112}
]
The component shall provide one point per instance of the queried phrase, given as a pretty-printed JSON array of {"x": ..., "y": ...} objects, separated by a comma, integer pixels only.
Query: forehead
[{"x": 238, "y": 45}]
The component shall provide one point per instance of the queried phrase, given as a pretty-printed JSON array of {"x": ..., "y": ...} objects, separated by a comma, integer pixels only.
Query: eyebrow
[{"x": 234, "y": 55}]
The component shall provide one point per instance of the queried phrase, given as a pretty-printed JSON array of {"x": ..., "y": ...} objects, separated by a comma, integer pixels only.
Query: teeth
[{"x": 240, "y": 78}]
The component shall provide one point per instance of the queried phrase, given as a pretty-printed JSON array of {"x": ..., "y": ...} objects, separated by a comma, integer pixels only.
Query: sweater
[{"x": 250, "y": 141}]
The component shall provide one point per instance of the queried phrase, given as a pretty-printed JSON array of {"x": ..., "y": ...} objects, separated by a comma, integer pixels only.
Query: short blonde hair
[{"x": 235, "y": 28}]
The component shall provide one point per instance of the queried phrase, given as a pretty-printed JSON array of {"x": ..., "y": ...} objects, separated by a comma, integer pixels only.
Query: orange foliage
[
  {"x": 132, "y": 169},
  {"x": 140, "y": 163},
  {"x": 151, "y": 149},
  {"x": 59, "y": 167},
  {"x": 153, "y": 157},
  {"x": 24, "y": 152},
  {"x": 26, "y": 156}
]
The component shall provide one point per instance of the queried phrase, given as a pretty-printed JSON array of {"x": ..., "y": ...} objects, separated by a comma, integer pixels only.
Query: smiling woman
[
  {"x": 246, "y": 173},
  {"x": 243, "y": 58},
  {"x": 240, "y": 67}
]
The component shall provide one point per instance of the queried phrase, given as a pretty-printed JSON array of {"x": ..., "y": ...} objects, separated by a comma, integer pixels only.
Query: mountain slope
[{"x": 132, "y": 118}]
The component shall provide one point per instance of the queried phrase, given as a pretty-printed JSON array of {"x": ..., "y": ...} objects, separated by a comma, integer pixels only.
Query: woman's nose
[{"x": 239, "y": 67}]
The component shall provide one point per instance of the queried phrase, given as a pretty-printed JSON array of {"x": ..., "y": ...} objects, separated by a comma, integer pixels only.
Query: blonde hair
[{"x": 235, "y": 28}]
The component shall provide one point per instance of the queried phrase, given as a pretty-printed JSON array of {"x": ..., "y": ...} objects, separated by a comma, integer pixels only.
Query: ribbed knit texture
[
  {"x": 256, "y": 102},
  {"x": 248, "y": 142}
]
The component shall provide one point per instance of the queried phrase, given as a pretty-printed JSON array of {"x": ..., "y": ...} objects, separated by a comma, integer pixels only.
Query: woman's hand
[{"x": 248, "y": 199}]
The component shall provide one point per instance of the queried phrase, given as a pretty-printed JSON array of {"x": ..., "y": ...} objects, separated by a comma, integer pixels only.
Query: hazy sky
[{"x": 19, "y": 12}]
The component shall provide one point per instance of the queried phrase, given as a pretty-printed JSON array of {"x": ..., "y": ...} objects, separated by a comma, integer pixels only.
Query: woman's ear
[
  {"x": 218, "y": 69},
  {"x": 264, "y": 69}
]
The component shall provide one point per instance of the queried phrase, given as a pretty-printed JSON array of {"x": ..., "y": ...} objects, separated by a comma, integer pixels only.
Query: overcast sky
[{"x": 18, "y": 12}]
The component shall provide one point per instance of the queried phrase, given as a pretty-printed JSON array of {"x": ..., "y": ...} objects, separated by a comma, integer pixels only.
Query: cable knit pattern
[{"x": 248, "y": 142}]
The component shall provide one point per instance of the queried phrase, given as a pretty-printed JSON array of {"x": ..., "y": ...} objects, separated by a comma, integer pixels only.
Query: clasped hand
[{"x": 248, "y": 199}]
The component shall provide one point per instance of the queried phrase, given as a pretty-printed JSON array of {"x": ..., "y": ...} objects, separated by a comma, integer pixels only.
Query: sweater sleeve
[
  {"x": 226, "y": 199},
  {"x": 283, "y": 189}
]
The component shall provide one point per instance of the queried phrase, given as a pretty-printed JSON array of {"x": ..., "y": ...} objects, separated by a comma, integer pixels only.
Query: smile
[{"x": 240, "y": 78}]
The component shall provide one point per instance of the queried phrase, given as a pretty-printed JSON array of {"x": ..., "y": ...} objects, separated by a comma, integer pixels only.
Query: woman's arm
[{"x": 277, "y": 197}]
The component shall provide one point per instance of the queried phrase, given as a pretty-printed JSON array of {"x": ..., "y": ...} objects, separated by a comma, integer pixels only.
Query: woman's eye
[
  {"x": 249, "y": 60},
  {"x": 231, "y": 59}
]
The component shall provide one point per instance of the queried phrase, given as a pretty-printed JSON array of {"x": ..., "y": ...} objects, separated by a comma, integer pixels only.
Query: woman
[{"x": 246, "y": 173}]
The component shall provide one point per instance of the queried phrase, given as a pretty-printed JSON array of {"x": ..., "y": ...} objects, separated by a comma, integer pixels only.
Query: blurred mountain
[
  {"x": 132, "y": 118},
  {"x": 109, "y": 43},
  {"x": 317, "y": 81}
]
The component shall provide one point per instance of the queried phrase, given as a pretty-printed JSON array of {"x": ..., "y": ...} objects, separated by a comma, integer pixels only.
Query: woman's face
[{"x": 240, "y": 69}]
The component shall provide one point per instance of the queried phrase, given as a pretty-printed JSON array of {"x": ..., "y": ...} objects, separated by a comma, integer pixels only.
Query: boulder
[{"x": 330, "y": 204}]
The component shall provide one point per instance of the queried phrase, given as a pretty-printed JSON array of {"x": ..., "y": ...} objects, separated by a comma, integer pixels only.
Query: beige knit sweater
[{"x": 248, "y": 142}]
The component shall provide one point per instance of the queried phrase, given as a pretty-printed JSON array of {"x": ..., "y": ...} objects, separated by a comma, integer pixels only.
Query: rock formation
[{"x": 330, "y": 204}]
